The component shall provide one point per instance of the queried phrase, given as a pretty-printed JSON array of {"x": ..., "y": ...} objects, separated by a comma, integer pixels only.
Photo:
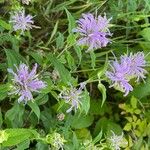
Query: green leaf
[
  {"x": 98, "y": 137},
  {"x": 37, "y": 56},
  {"x": 13, "y": 118},
  {"x": 71, "y": 21},
  {"x": 93, "y": 59},
  {"x": 16, "y": 136},
  {"x": 70, "y": 60},
  {"x": 23, "y": 145},
  {"x": 133, "y": 102},
  {"x": 63, "y": 72},
  {"x": 86, "y": 101},
  {"x": 52, "y": 34},
  {"x": 102, "y": 89},
  {"x": 127, "y": 127},
  {"x": 78, "y": 52},
  {"x": 81, "y": 121},
  {"x": 60, "y": 41},
  {"x": 5, "y": 25},
  {"x": 142, "y": 90},
  {"x": 13, "y": 58},
  {"x": 146, "y": 34},
  {"x": 75, "y": 141},
  {"x": 35, "y": 108},
  {"x": 4, "y": 89}
]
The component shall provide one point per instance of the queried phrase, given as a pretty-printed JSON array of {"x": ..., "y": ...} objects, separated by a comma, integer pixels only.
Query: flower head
[
  {"x": 130, "y": 66},
  {"x": 136, "y": 62},
  {"x": 26, "y": 82},
  {"x": 117, "y": 141},
  {"x": 21, "y": 22},
  {"x": 93, "y": 31},
  {"x": 118, "y": 76},
  {"x": 73, "y": 97}
]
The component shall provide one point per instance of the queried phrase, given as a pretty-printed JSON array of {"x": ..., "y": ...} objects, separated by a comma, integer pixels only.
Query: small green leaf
[
  {"x": 93, "y": 59},
  {"x": 102, "y": 89},
  {"x": 133, "y": 102},
  {"x": 127, "y": 127},
  {"x": 5, "y": 25},
  {"x": 71, "y": 21},
  {"x": 35, "y": 108},
  {"x": 86, "y": 101}
]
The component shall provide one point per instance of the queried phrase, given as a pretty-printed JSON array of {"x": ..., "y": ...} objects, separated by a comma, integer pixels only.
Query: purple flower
[
  {"x": 130, "y": 66},
  {"x": 21, "y": 22},
  {"x": 93, "y": 31},
  {"x": 25, "y": 82},
  {"x": 73, "y": 97},
  {"x": 136, "y": 62},
  {"x": 118, "y": 76}
]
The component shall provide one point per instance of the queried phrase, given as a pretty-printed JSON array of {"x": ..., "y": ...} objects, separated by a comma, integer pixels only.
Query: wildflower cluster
[
  {"x": 130, "y": 66},
  {"x": 25, "y": 82},
  {"x": 93, "y": 31},
  {"x": 73, "y": 97}
]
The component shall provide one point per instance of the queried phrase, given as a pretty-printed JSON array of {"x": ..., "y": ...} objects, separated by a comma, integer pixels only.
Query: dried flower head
[
  {"x": 21, "y": 22},
  {"x": 130, "y": 66},
  {"x": 26, "y": 82},
  {"x": 73, "y": 97},
  {"x": 61, "y": 116},
  {"x": 26, "y": 2},
  {"x": 93, "y": 31},
  {"x": 117, "y": 141}
]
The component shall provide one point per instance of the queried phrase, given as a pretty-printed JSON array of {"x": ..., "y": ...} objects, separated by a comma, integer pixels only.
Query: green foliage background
[{"x": 53, "y": 47}]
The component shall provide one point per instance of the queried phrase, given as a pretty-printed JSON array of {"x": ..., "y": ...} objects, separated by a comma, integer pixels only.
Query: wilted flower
[
  {"x": 93, "y": 31},
  {"x": 128, "y": 68},
  {"x": 117, "y": 141},
  {"x": 21, "y": 22},
  {"x": 26, "y": 2},
  {"x": 26, "y": 82},
  {"x": 56, "y": 140},
  {"x": 136, "y": 62},
  {"x": 60, "y": 116},
  {"x": 72, "y": 96}
]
